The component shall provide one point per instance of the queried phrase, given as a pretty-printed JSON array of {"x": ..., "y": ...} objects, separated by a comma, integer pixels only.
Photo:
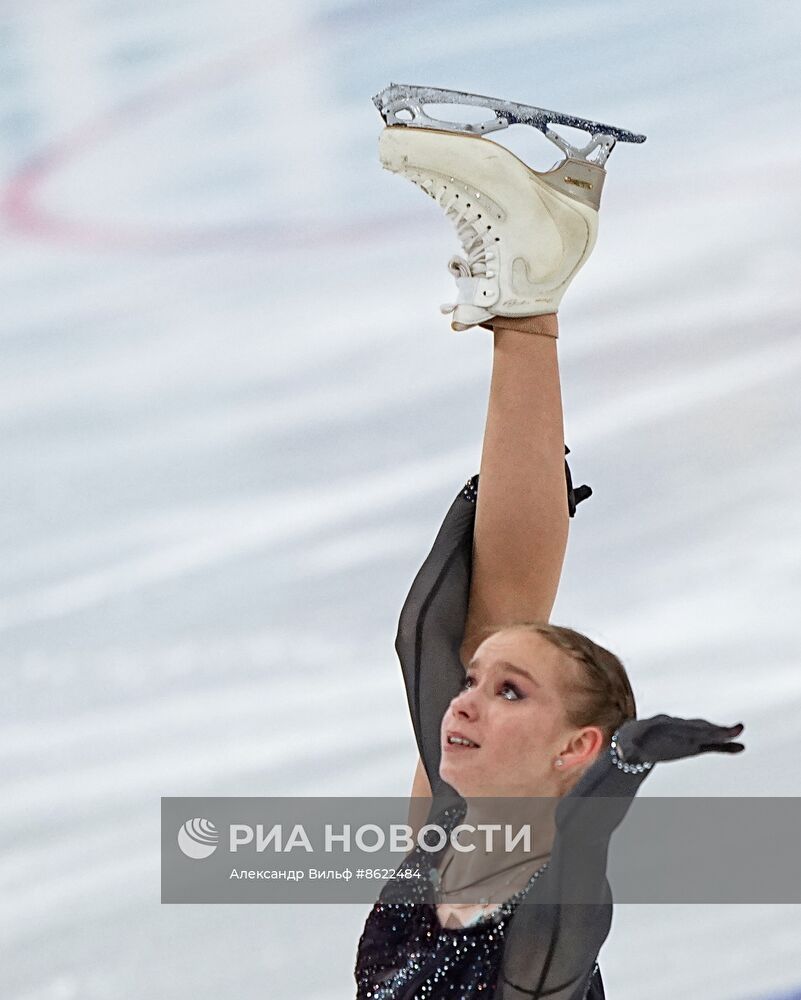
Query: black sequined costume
[
  {"x": 517, "y": 951},
  {"x": 404, "y": 952}
]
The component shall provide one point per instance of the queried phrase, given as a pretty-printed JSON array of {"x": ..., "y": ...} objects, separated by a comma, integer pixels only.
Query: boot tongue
[
  {"x": 465, "y": 313},
  {"x": 465, "y": 316}
]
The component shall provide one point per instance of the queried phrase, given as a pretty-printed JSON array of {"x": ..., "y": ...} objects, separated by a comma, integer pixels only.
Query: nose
[{"x": 465, "y": 704}]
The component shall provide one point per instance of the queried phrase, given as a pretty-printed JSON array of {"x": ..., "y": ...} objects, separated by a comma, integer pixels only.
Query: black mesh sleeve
[
  {"x": 431, "y": 629},
  {"x": 551, "y": 948}
]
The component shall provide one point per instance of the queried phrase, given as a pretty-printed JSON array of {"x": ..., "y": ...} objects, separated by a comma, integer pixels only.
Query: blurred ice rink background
[{"x": 232, "y": 419}]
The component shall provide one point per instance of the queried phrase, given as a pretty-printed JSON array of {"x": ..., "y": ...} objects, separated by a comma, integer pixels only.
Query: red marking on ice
[{"x": 20, "y": 206}]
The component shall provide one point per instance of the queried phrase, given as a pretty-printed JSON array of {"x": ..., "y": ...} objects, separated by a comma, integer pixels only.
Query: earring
[{"x": 558, "y": 762}]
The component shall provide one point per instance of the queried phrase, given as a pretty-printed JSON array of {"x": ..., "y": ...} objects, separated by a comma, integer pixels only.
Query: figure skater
[{"x": 503, "y": 703}]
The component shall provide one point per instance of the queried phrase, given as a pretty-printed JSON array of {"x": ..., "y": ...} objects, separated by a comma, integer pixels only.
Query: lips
[{"x": 456, "y": 740}]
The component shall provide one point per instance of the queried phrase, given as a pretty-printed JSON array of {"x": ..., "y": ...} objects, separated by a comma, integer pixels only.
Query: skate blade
[{"x": 403, "y": 104}]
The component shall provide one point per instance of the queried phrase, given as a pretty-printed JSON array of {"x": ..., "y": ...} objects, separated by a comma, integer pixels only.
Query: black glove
[{"x": 665, "y": 737}]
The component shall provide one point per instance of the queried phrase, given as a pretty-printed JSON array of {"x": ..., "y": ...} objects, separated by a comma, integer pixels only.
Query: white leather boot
[{"x": 524, "y": 233}]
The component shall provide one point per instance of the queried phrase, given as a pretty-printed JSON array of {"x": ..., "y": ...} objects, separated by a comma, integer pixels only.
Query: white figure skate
[{"x": 525, "y": 233}]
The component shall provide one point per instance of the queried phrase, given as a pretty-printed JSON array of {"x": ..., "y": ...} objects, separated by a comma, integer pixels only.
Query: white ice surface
[{"x": 231, "y": 418}]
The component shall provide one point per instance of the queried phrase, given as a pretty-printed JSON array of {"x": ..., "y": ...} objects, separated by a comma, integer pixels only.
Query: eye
[
  {"x": 467, "y": 682},
  {"x": 508, "y": 690}
]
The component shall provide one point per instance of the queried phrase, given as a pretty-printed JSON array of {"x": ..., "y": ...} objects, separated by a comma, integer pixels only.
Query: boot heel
[{"x": 578, "y": 179}]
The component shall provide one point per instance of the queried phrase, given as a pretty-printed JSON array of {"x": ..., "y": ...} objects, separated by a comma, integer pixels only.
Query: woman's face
[{"x": 512, "y": 708}]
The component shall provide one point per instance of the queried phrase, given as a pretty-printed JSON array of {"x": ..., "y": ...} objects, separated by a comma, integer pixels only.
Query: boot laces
[{"x": 473, "y": 235}]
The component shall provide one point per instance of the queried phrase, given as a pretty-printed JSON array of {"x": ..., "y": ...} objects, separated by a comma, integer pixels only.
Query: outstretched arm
[
  {"x": 554, "y": 939},
  {"x": 522, "y": 519}
]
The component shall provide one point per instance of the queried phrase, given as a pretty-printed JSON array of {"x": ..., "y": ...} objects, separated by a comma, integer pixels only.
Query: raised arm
[
  {"x": 521, "y": 522},
  {"x": 431, "y": 629},
  {"x": 511, "y": 551}
]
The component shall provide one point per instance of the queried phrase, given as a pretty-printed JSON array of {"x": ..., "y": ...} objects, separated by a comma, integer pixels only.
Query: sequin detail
[
  {"x": 404, "y": 952},
  {"x": 470, "y": 491},
  {"x": 617, "y": 760}
]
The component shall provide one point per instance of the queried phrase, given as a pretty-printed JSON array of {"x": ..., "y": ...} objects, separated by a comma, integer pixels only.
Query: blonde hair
[{"x": 599, "y": 692}]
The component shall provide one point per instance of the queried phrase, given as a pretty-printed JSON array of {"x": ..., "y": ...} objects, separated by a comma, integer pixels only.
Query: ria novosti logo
[{"x": 198, "y": 838}]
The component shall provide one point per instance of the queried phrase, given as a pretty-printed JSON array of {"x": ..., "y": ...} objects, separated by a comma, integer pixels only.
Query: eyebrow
[{"x": 510, "y": 667}]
